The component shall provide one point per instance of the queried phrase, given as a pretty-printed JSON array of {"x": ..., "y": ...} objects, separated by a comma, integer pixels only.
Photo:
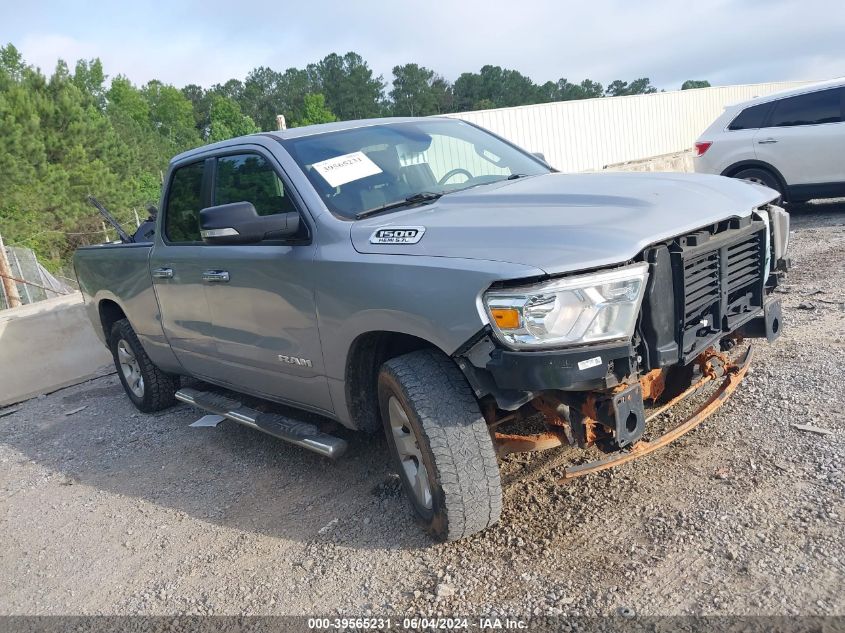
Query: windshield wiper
[
  {"x": 423, "y": 196},
  {"x": 515, "y": 176}
]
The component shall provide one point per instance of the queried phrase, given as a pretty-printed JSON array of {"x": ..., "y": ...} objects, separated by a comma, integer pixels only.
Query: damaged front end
[
  {"x": 598, "y": 417},
  {"x": 703, "y": 294}
]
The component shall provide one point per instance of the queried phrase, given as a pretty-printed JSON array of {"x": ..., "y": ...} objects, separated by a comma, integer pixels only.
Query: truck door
[
  {"x": 261, "y": 296},
  {"x": 176, "y": 268}
]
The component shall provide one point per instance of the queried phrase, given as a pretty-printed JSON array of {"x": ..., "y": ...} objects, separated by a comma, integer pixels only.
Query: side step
[{"x": 288, "y": 429}]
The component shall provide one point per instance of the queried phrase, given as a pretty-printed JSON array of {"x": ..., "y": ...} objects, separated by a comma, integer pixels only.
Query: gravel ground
[{"x": 108, "y": 511}]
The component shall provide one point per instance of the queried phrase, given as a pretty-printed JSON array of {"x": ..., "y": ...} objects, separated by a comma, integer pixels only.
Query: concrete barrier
[
  {"x": 48, "y": 345},
  {"x": 676, "y": 161}
]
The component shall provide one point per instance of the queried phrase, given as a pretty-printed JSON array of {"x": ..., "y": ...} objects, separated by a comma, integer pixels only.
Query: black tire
[
  {"x": 762, "y": 176},
  {"x": 452, "y": 438},
  {"x": 157, "y": 388}
]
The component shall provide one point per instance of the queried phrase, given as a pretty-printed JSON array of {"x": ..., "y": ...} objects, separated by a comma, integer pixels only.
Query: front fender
[{"x": 432, "y": 298}]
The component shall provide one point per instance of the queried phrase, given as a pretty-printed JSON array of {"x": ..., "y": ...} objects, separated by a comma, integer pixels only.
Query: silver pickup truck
[{"x": 428, "y": 277}]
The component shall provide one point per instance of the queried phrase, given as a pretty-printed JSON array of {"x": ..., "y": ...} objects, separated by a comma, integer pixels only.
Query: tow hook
[{"x": 622, "y": 412}]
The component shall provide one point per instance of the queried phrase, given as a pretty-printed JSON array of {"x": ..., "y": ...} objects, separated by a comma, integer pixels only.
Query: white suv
[{"x": 792, "y": 141}]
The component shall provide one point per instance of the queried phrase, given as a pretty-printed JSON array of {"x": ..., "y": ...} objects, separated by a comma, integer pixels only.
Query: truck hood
[{"x": 565, "y": 222}]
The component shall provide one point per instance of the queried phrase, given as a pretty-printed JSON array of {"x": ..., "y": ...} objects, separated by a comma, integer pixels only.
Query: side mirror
[
  {"x": 239, "y": 223},
  {"x": 540, "y": 155}
]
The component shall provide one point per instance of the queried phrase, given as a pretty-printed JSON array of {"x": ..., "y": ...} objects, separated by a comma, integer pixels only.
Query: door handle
[
  {"x": 163, "y": 273},
  {"x": 216, "y": 276},
  {"x": 767, "y": 141}
]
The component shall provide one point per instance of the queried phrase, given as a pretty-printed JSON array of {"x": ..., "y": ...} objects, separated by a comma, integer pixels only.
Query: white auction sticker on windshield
[{"x": 343, "y": 169}]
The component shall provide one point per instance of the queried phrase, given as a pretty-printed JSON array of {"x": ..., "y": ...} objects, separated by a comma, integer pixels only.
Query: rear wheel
[
  {"x": 762, "y": 177},
  {"x": 440, "y": 444},
  {"x": 149, "y": 388}
]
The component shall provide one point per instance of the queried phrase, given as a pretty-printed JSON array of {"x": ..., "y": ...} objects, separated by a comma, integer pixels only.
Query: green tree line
[{"x": 77, "y": 131}]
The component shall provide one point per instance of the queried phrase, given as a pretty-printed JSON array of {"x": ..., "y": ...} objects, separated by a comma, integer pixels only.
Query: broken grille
[{"x": 721, "y": 285}]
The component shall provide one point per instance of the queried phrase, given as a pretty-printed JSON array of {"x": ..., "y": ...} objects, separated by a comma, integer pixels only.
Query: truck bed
[{"x": 120, "y": 273}]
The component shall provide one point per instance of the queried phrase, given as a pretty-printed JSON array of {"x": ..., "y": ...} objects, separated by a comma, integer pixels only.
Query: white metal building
[{"x": 592, "y": 133}]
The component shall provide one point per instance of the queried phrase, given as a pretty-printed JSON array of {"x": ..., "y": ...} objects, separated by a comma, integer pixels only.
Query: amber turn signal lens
[{"x": 506, "y": 318}]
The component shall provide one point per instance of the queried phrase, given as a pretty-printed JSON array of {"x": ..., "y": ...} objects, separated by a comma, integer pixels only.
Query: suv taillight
[{"x": 701, "y": 147}]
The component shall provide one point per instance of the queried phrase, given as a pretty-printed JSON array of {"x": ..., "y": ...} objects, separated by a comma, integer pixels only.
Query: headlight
[{"x": 574, "y": 310}]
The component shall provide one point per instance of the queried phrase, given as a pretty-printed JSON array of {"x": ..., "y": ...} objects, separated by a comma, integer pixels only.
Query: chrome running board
[{"x": 302, "y": 434}]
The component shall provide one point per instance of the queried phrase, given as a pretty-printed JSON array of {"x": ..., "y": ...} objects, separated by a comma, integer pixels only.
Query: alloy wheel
[
  {"x": 409, "y": 453},
  {"x": 130, "y": 368}
]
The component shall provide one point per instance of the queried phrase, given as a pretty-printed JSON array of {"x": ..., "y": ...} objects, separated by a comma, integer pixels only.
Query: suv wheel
[
  {"x": 149, "y": 388},
  {"x": 762, "y": 177},
  {"x": 440, "y": 444}
]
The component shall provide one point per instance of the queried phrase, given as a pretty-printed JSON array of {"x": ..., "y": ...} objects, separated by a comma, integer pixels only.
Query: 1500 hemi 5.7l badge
[{"x": 397, "y": 235}]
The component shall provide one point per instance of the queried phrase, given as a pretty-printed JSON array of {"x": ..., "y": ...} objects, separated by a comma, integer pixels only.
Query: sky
[{"x": 669, "y": 41}]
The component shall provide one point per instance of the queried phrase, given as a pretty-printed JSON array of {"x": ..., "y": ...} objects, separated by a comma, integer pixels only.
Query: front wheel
[
  {"x": 440, "y": 444},
  {"x": 149, "y": 388}
]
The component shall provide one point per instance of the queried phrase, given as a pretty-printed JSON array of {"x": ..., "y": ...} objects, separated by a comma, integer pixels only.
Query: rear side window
[
  {"x": 184, "y": 201},
  {"x": 751, "y": 118},
  {"x": 250, "y": 178},
  {"x": 824, "y": 106}
]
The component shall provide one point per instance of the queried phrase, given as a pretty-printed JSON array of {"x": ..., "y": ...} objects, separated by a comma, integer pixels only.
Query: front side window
[
  {"x": 250, "y": 178},
  {"x": 367, "y": 168},
  {"x": 184, "y": 201},
  {"x": 824, "y": 106}
]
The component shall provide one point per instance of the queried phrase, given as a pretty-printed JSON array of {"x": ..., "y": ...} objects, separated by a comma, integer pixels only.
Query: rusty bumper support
[
  {"x": 734, "y": 374},
  {"x": 507, "y": 444}
]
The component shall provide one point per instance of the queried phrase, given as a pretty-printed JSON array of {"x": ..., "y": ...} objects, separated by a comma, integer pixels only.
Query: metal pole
[{"x": 9, "y": 286}]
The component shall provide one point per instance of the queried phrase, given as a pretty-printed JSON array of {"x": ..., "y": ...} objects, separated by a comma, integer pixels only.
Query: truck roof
[{"x": 306, "y": 130}]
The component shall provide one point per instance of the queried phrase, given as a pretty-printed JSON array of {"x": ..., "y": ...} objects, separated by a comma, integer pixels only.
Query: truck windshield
[{"x": 362, "y": 170}]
